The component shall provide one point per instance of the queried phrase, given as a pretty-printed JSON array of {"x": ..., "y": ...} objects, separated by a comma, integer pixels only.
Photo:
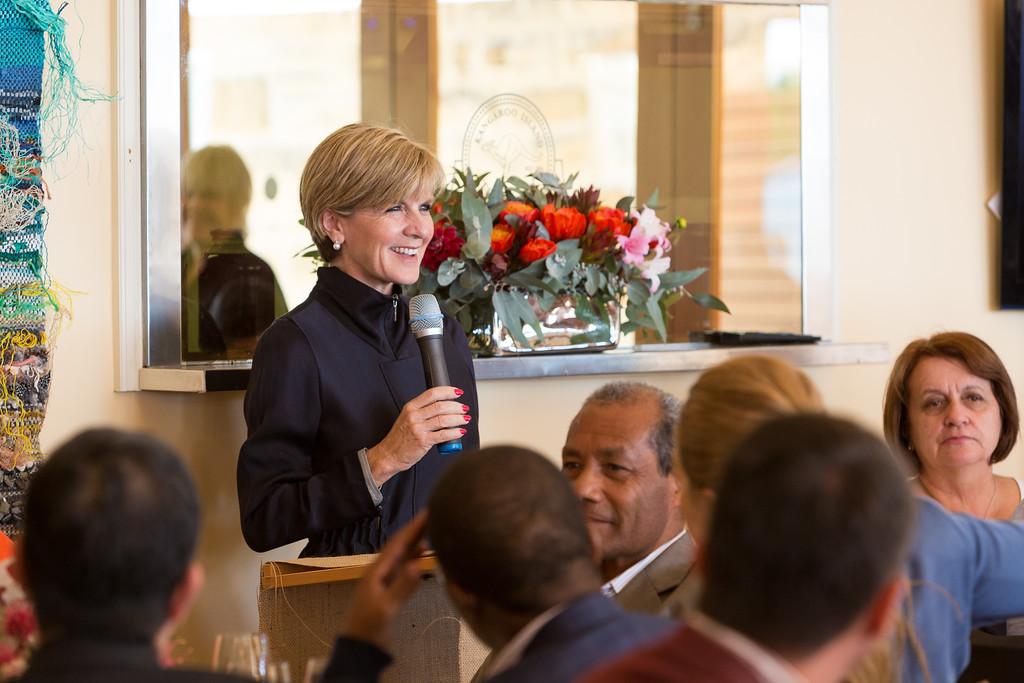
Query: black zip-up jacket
[{"x": 328, "y": 379}]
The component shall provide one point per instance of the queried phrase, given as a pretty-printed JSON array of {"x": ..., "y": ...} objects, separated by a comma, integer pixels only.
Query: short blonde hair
[
  {"x": 362, "y": 166},
  {"x": 728, "y": 402}
]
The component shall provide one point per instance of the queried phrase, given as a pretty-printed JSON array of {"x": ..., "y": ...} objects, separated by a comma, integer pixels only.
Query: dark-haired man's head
[
  {"x": 111, "y": 521},
  {"x": 510, "y": 537},
  {"x": 618, "y": 456},
  {"x": 808, "y": 537}
]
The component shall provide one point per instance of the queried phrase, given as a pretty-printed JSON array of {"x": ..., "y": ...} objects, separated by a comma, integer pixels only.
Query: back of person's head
[
  {"x": 111, "y": 521},
  {"x": 362, "y": 166},
  {"x": 663, "y": 429},
  {"x": 811, "y": 522},
  {"x": 727, "y": 402},
  {"x": 506, "y": 527}
]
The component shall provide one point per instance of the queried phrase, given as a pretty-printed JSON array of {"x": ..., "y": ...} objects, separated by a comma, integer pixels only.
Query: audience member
[
  {"x": 618, "y": 455},
  {"x": 964, "y": 572},
  {"x": 111, "y": 521},
  {"x": 803, "y": 561},
  {"x": 951, "y": 412},
  {"x": 518, "y": 566}
]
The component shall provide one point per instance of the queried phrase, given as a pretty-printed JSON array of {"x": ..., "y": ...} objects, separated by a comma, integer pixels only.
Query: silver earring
[{"x": 337, "y": 246}]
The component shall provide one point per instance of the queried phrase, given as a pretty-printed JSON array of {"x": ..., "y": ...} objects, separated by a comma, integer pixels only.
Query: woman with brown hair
[{"x": 951, "y": 412}]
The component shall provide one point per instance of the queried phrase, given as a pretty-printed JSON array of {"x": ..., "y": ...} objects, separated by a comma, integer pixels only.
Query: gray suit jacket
[{"x": 652, "y": 588}]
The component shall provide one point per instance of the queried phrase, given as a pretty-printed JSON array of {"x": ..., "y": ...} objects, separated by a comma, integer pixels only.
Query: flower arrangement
[
  {"x": 518, "y": 247},
  {"x": 19, "y": 632}
]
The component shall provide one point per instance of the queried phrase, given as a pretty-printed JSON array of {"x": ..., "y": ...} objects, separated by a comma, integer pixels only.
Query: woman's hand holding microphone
[{"x": 431, "y": 418}]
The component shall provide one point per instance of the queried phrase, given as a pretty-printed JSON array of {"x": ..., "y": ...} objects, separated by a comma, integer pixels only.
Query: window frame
[{"x": 148, "y": 182}]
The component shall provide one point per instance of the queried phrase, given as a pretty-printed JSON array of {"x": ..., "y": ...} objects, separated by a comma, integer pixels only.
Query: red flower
[
  {"x": 20, "y": 622},
  {"x": 609, "y": 219},
  {"x": 526, "y": 212},
  {"x": 563, "y": 224},
  {"x": 536, "y": 249},
  {"x": 445, "y": 244},
  {"x": 502, "y": 237}
]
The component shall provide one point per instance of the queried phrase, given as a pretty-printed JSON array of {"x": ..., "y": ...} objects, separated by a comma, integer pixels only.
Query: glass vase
[{"x": 573, "y": 323}]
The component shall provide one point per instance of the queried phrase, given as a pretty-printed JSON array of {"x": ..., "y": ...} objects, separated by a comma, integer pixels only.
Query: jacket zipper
[{"x": 394, "y": 308}]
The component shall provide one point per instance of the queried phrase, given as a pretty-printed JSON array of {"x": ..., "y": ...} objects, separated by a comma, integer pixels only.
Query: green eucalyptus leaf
[
  {"x": 472, "y": 278},
  {"x": 657, "y": 316},
  {"x": 652, "y": 201},
  {"x": 504, "y": 305},
  {"x": 427, "y": 284},
  {"x": 562, "y": 262},
  {"x": 465, "y": 319},
  {"x": 526, "y": 313},
  {"x": 566, "y": 245},
  {"x": 449, "y": 270},
  {"x": 542, "y": 232},
  {"x": 638, "y": 293},
  {"x": 625, "y": 204},
  {"x": 710, "y": 301},
  {"x": 478, "y": 221},
  {"x": 497, "y": 195},
  {"x": 678, "y": 278},
  {"x": 549, "y": 179},
  {"x": 593, "y": 283},
  {"x": 517, "y": 183},
  {"x": 526, "y": 281}
]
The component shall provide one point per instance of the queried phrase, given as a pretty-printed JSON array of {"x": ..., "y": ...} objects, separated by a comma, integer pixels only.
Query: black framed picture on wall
[{"x": 1011, "y": 280}]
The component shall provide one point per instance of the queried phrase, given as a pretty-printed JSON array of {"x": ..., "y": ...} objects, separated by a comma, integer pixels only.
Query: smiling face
[
  {"x": 630, "y": 506},
  {"x": 953, "y": 417},
  {"x": 384, "y": 246}
]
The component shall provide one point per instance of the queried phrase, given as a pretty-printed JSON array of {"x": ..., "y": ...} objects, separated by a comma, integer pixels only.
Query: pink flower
[
  {"x": 650, "y": 232},
  {"x": 653, "y": 268},
  {"x": 634, "y": 247}
]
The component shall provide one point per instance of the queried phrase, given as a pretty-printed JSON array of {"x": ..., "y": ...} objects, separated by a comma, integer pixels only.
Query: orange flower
[
  {"x": 536, "y": 249},
  {"x": 609, "y": 219},
  {"x": 526, "y": 212},
  {"x": 563, "y": 224},
  {"x": 502, "y": 237}
]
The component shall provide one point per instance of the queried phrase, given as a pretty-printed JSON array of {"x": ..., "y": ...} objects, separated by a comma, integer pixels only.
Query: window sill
[{"x": 234, "y": 376}]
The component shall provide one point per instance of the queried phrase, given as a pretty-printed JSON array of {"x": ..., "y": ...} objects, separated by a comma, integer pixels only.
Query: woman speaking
[{"x": 342, "y": 429}]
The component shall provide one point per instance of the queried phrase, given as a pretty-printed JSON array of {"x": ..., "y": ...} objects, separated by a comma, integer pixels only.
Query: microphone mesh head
[{"x": 425, "y": 315}]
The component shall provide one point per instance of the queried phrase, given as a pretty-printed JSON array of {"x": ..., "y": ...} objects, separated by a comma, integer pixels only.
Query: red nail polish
[
  {"x": 462, "y": 431},
  {"x": 465, "y": 409},
  {"x": 467, "y": 418},
  {"x": 459, "y": 392}
]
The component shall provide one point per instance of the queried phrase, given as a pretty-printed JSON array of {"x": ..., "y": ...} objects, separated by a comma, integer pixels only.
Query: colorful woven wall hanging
[{"x": 38, "y": 90}]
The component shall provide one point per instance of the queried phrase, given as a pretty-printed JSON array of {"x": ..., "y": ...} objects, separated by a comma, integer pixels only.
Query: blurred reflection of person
[
  {"x": 229, "y": 294},
  {"x": 342, "y": 429}
]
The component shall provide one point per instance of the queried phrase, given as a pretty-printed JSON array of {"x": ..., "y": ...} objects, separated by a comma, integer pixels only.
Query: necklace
[{"x": 991, "y": 498}]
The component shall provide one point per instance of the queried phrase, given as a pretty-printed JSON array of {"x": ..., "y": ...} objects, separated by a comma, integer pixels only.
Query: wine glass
[
  {"x": 278, "y": 672},
  {"x": 242, "y": 654},
  {"x": 314, "y": 669}
]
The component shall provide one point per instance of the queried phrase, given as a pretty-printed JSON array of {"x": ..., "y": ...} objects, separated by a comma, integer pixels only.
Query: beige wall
[{"x": 917, "y": 134}]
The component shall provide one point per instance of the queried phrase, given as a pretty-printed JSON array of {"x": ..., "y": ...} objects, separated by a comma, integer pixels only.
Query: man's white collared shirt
[{"x": 615, "y": 586}]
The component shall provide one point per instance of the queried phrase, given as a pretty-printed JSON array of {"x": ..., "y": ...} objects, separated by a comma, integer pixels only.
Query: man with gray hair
[{"x": 618, "y": 456}]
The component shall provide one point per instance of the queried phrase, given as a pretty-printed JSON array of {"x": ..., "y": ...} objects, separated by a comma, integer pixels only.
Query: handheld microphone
[{"x": 427, "y": 324}]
